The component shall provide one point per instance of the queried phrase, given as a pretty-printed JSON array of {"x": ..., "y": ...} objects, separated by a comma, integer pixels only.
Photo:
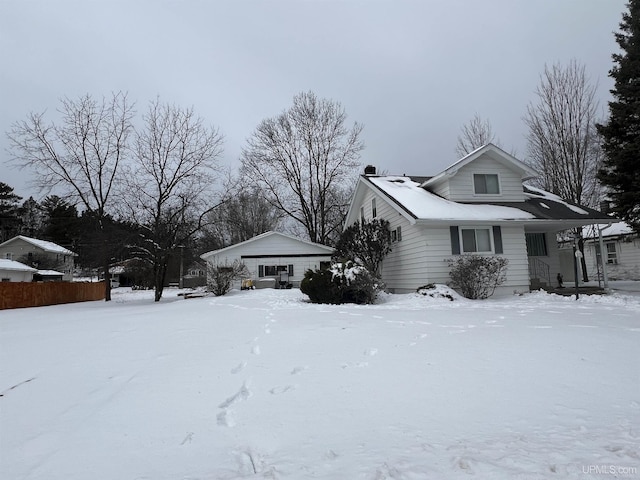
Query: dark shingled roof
[{"x": 545, "y": 208}]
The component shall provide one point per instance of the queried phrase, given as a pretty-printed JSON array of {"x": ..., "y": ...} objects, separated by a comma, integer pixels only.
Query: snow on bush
[
  {"x": 438, "y": 291},
  {"x": 477, "y": 276},
  {"x": 345, "y": 282}
]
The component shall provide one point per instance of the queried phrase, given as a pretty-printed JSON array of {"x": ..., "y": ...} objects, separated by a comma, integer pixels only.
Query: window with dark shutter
[
  {"x": 260, "y": 270},
  {"x": 497, "y": 239},
  {"x": 455, "y": 240}
]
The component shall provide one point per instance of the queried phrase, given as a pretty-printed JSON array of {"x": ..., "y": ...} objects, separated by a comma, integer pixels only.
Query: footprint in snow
[
  {"x": 239, "y": 396},
  {"x": 298, "y": 370},
  {"x": 238, "y": 368},
  {"x": 281, "y": 389}
]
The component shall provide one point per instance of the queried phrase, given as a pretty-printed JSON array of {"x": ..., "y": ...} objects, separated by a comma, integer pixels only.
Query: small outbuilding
[
  {"x": 273, "y": 259},
  {"x": 12, "y": 271}
]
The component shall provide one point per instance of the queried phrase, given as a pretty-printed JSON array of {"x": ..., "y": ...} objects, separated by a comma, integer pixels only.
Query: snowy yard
[{"x": 262, "y": 384}]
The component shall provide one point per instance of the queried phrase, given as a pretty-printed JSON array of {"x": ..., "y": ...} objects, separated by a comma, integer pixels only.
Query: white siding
[
  {"x": 423, "y": 254},
  {"x": 460, "y": 186},
  {"x": 16, "y": 276},
  {"x": 274, "y": 250},
  {"x": 19, "y": 249},
  {"x": 439, "y": 255},
  {"x": 628, "y": 259}
]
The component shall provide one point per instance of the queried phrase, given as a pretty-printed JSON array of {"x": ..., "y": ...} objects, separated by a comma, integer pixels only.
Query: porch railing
[{"x": 539, "y": 270}]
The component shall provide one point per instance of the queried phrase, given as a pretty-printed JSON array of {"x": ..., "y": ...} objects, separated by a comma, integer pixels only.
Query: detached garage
[
  {"x": 273, "y": 259},
  {"x": 12, "y": 271}
]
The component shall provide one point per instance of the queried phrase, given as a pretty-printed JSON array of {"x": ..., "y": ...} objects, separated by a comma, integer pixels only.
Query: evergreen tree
[
  {"x": 621, "y": 134},
  {"x": 365, "y": 243},
  {"x": 32, "y": 218},
  {"x": 9, "y": 213},
  {"x": 61, "y": 223}
]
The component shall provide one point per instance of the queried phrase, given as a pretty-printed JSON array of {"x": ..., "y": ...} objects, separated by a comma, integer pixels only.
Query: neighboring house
[
  {"x": 48, "y": 276},
  {"x": 195, "y": 275},
  {"x": 477, "y": 205},
  {"x": 622, "y": 252},
  {"x": 12, "y": 271},
  {"x": 29, "y": 250},
  {"x": 273, "y": 257}
]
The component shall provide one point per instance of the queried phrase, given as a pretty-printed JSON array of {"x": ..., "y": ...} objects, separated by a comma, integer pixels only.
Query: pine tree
[
  {"x": 9, "y": 215},
  {"x": 621, "y": 134}
]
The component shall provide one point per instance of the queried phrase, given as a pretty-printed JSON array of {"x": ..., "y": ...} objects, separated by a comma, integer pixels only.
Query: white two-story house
[{"x": 478, "y": 205}]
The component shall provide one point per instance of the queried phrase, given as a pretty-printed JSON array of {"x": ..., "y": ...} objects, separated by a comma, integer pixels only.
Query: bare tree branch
[
  {"x": 302, "y": 159},
  {"x": 174, "y": 169},
  {"x": 473, "y": 135},
  {"x": 562, "y": 143}
]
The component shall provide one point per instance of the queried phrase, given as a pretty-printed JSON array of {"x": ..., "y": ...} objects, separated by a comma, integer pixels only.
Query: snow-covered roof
[
  {"x": 533, "y": 192},
  {"x": 422, "y": 204},
  {"x": 418, "y": 203},
  {"x": 608, "y": 230},
  {"x": 495, "y": 152},
  {"x": 263, "y": 236},
  {"x": 49, "y": 273},
  {"x": 42, "y": 244},
  {"x": 12, "y": 265}
]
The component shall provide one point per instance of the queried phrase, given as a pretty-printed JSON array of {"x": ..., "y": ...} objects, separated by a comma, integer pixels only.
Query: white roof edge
[
  {"x": 43, "y": 244},
  {"x": 470, "y": 157},
  {"x": 12, "y": 265},
  {"x": 212, "y": 253}
]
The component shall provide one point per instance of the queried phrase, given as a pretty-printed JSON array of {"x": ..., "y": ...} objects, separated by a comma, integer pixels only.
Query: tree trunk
[
  {"x": 105, "y": 269},
  {"x": 583, "y": 261},
  {"x": 160, "y": 274}
]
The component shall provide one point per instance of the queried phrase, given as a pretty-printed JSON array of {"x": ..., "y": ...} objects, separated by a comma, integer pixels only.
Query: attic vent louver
[{"x": 369, "y": 170}]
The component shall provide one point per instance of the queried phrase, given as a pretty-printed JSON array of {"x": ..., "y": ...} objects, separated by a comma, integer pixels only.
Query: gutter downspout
[{"x": 602, "y": 262}]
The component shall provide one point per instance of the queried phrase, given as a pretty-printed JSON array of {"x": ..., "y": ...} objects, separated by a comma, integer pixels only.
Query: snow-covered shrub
[
  {"x": 477, "y": 276},
  {"x": 365, "y": 243},
  {"x": 319, "y": 286},
  {"x": 357, "y": 284},
  {"x": 220, "y": 278},
  {"x": 341, "y": 283},
  {"x": 436, "y": 291}
]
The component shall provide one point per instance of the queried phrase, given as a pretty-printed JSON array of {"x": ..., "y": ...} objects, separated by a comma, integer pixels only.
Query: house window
[
  {"x": 9, "y": 256},
  {"x": 361, "y": 214},
  {"x": 610, "y": 249},
  {"x": 274, "y": 270},
  {"x": 396, "y": 235},
  {"x": 6, "y": 279},
  {"x": 486, "y": 183},
  {"x": 476, "y": 240},
  {"x": 374, "y": 211},
  {"x": 612, "y": 255},
  {"x": 325, "y": 265},
  {"x": 536, "y": 244}
]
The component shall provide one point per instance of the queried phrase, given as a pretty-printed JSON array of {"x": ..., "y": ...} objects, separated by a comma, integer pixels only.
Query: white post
[{"x": 605, "y": 276}]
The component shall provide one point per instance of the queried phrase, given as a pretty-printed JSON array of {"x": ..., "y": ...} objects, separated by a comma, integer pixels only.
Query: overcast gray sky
[{"x": 413, "y": 72}]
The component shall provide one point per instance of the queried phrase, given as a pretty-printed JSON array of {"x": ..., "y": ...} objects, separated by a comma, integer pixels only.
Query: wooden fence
[{"x": 38, "y": 294}]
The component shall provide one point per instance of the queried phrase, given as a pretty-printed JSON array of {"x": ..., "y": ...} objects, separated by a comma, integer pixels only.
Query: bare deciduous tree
[
  {"x": 244, "y": 214},
  {"x": 80, "y": 156},
  {"x": 473, "y": 135},
  {"x": 302, "y": 161},
  {"x": 562, "y": 143},
  {"x": 174, "y": 168}
]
